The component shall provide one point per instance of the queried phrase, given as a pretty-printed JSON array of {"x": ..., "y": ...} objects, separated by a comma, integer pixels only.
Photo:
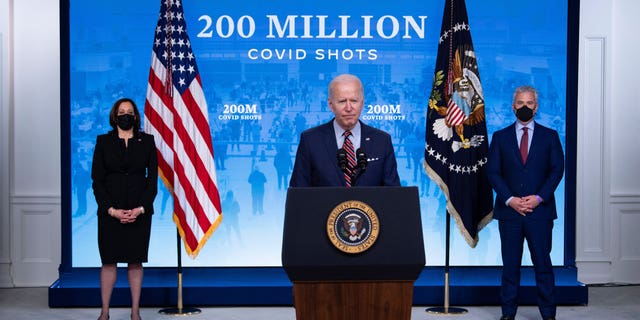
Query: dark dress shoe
[{"x": 507, "y": 318}]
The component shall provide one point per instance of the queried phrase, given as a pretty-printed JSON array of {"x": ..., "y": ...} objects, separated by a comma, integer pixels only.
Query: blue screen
[{"x": 265, "y": 67}]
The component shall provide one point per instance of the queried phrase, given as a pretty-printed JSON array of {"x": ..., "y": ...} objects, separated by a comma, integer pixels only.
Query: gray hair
[
  {"x": 346, "y": 77},
  {"x": 522, "y": 89}
]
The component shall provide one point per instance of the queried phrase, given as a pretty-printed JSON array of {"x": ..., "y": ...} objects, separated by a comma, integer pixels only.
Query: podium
[{"x": 353, "y": 253}]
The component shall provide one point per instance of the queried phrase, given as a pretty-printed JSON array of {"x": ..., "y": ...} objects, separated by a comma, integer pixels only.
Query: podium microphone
[
  {"x": 342, "y": 159},
  {"x": 361, "y": 164},
  {"x": 361, "y": 159}
]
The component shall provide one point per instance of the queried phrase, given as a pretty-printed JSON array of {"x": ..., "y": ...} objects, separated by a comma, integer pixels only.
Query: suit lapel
[
  {"x": 536, "y": 137},
  {"x": 513, "y": 143},
  {"x": 365, "y": 137},
  {"x": 331, "y": 148}
]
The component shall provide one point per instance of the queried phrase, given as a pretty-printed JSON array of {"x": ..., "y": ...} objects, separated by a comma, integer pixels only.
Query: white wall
[
  {"x": 31, "y": 105},
  {"x": 608, "y": 182},
  {"x": 624, "y": 199},
  {"x": 5, "y": 275},
  {"x": 35, "y": 160}
]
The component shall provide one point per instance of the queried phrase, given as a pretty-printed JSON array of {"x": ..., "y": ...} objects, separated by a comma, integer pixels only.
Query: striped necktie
[{"x": 351, "y": 157}]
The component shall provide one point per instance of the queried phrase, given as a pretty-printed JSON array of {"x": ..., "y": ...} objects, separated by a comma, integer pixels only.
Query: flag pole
[
  {"x": 446, "y": 310},
  {"x": 180, "y": 310}
]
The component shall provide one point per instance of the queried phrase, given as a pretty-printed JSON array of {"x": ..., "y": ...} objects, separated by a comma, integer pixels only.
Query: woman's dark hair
[{"x": 113, "y": 114}]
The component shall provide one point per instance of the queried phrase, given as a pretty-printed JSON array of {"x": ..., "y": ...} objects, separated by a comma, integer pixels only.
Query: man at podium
[{"x": 345, "y": 151}]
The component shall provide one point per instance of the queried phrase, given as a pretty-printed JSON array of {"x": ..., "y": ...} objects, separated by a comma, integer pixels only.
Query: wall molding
[
  {"x": 625, "y": 218},
  {"x": 36, "y": 199},
  {"x": 35, "y": 240},
  {"x": 624, "y": 198},
  {"x": 592, "y": 230},
  {"x": 5, "y": 230}
]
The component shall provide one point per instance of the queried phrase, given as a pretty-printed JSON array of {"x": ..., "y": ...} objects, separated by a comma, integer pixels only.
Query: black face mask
[
  {"x": 524, "y": 114},
  {"x": 126, "y": 121}
]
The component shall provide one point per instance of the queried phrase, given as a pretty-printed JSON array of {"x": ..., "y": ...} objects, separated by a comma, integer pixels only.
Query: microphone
[
  {"x": 361, "y": 164},
  {"x": 361, "y": 159},
  {"x": 342, "y": 159}
]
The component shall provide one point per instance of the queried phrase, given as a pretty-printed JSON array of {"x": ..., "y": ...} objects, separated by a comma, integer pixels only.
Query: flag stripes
[
  {"x": 455, "y": 115},
  {"x": 176, "y": 114}
]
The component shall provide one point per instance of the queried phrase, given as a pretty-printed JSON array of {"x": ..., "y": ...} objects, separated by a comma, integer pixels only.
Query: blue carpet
[{"x": 265, "y": 286}]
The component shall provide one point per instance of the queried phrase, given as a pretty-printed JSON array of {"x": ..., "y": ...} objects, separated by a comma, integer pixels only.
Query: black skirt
[{"x": 128, "y": 242}]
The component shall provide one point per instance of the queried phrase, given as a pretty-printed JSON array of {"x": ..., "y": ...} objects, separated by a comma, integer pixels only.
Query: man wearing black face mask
[{"x": 525, "y": 165}]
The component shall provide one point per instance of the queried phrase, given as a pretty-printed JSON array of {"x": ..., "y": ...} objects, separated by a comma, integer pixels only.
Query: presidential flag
[
  {"x": 176, "y": 114},
  {"x": 456, "y": 133}
]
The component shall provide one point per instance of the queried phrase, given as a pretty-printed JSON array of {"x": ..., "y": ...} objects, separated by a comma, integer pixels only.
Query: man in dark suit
[
  {"x": 525, "y": 165},
  {"x": 320, "y": 149}
]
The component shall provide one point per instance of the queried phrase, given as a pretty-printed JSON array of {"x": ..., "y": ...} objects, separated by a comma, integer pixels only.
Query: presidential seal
[{"x": 353, "y": 226}]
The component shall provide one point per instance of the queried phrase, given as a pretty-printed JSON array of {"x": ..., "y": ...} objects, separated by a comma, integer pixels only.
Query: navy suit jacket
[
  {"x": 539, "y": 176},
  {"x": 316, "y": 162}
]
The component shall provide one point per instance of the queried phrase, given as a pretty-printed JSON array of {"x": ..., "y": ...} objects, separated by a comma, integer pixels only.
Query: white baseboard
[
  {"x": 5, "y": 276},
  {"x": 594, "y": 272}
]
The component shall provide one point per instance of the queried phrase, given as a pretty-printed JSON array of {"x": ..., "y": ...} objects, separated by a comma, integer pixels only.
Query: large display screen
[{"x": 265, "y": 66}]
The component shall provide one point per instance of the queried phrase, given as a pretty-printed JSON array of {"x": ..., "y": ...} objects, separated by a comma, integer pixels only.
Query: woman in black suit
[{"x": 124, "y": 173}]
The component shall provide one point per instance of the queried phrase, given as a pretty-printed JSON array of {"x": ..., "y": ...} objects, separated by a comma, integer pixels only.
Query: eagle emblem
[
  {"x": 461, "y": 103},
  {"x": 353, "y": 226}
]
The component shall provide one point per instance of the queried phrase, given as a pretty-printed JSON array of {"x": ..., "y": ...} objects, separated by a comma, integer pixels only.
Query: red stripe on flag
[
  {"x": 164, "y": 167},
  {"x": 196, "y": 161},
  {"x": 198, "y": 117},
  {"x": 191, "y": 196},
  {"x": 455, "y": 116},
  {"x": 186, "y": 233}
]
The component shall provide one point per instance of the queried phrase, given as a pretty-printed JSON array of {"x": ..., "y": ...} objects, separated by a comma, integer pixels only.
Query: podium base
[
  {"x": 446, "y": 310},
  {"x": 354, "y": 300},
  {"x": 179, "y": 311}
]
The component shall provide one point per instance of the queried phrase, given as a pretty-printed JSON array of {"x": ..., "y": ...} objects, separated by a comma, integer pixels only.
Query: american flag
[{"x": 176, "y": 114}]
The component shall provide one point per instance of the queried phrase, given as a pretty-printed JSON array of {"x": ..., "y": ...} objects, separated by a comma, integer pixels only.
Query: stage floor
[{"x": 270, "y": 286}]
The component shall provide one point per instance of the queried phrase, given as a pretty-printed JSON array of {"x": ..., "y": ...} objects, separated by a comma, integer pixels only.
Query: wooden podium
[
  {"x": 366, "y": 300},
  {"x": 374, "y": 283}
]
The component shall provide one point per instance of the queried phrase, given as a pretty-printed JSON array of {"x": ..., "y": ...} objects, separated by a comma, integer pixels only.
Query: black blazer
[{"x": 125, "y": 178}]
